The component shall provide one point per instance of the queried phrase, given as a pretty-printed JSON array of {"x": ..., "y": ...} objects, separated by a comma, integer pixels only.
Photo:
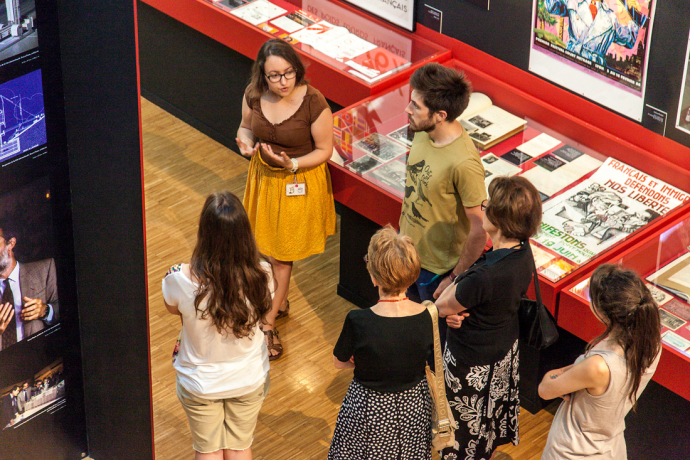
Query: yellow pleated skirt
[{"x": 289, "y": 228}]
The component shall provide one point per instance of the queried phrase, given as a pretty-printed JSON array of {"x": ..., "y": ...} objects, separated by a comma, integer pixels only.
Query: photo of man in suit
[
  {"x": 24, "y": 397},
  {"x": 8, "y": 407},
  {"x": 29, "y": 298}
]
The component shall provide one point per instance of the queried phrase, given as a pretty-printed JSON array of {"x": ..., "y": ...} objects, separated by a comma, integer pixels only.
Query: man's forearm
[{"x": 474, "y": 247}]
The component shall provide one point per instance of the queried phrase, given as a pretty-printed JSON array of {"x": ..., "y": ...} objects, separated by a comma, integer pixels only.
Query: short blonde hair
[{"x": 392, "y": 261}]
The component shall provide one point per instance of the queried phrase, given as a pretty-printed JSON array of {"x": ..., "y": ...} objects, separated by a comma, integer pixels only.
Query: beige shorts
[{"x": 223, "y": 423}]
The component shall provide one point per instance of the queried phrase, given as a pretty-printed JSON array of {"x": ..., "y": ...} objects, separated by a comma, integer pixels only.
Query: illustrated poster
[
  {"x": 603, "y": 210},
  {"x": 596, "y": 48}
]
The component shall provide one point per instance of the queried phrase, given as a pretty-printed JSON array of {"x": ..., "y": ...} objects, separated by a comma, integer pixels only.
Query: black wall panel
[{"x": 99, "y": 63}]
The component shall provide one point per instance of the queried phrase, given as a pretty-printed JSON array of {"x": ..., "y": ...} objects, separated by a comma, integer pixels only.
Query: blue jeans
[{"x": 423, "y": 289}]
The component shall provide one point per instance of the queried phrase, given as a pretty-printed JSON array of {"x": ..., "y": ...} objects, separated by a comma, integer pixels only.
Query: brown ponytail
[{"x": 631, "y": 316}]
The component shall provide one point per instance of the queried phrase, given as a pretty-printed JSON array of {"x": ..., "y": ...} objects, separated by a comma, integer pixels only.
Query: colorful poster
[
  {"x": 598, "y": 48},
  {"x": 600, "y": 211},
  {"x": 683, "y": 117}
]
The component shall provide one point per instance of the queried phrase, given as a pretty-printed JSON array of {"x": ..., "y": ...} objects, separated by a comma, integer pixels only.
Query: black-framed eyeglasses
[
  {"x": 276, "y": 77},
  {"x": 484, "y": 204}
]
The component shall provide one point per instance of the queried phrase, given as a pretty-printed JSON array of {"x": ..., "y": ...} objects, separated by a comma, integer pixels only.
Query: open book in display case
[
  {"x": 599, "y": 194},
  {"x": 349, "y": 55},
  {"x": 661, "y": 259}
]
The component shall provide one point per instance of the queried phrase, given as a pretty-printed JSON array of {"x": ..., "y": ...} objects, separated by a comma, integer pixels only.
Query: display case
[
  {"x": 599, "y": 194},
  {"x": 662, "y": 260},
  {"x": 349, "y": 54}
]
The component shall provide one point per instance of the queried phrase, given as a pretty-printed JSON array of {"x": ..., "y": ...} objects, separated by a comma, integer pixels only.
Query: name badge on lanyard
[{"x": 296, "y": 188}]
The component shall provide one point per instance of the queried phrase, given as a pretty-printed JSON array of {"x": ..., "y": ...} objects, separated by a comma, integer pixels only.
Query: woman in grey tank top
[{"x": 601, "y": 387}]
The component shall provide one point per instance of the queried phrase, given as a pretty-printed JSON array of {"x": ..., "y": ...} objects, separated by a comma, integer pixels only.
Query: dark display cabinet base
[{"x": 355, "y": 282}]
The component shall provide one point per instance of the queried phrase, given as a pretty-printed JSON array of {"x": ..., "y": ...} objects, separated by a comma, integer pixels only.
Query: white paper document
[
  {"x": 344, "y": 47},
  {"x": 553, "y": 181},
  {"x": 540, "y": 144},
  {"x": 287, "y": 24},
  {"x": 258, "y": 11},
  {"x": 319, "y": 32}
]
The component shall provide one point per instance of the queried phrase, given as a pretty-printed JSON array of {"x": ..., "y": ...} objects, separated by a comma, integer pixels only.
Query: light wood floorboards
[{"x": 181, "y": 167}]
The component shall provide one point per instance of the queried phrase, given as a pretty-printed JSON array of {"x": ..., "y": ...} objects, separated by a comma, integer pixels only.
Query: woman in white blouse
[{"x": 222, "y": 296}]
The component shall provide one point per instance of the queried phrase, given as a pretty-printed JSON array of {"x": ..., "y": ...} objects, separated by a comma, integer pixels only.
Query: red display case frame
[
  {"x": 576, "y": 317},
  {"x": 382, "y": 207},
  {"x": 245, "y": 38}
]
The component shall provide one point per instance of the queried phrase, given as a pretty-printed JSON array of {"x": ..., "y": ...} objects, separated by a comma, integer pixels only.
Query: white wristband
[{"x": 295, "y": 165}]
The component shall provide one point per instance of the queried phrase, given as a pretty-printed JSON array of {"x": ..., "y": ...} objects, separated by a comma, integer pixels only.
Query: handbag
[
  {"x": 537, "y": 324},
  {"x": 443, "y": 425}
]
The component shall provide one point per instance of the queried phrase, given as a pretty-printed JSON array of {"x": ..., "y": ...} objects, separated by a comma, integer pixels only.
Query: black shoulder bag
[{"x": 537, "y": 324}]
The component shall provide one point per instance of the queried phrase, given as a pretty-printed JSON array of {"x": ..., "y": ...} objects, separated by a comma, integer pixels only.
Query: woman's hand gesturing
[
  {"x": 282, "y": 159},
  {"x": 246, "y": 149}
]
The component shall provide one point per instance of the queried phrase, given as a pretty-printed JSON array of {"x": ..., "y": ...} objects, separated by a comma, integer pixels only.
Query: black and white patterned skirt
[
  {"x": 485, "y": 402},
  {"x": 383, "y": 426}
]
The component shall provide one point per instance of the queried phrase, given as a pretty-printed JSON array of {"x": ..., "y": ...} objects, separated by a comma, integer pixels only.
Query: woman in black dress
[
  {"x": 481, "y": 356},
  {"x": 386, "y": 413}
]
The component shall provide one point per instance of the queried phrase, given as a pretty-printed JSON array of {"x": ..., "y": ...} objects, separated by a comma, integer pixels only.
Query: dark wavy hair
[
  {"x": 226, "y": 264},
  {"x": 274, "y": 47},
  {"x": 626, "y": 307}
]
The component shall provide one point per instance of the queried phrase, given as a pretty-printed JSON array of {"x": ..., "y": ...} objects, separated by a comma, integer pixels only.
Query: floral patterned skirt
[
  {"x": 485, "y": 403},
  {"x": 383, "y": 426}
]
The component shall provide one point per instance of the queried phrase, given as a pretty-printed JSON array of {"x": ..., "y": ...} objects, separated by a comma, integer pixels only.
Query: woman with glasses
[
  {"x": 287, "y": 130},
  {"x": 481, "y": 356}
]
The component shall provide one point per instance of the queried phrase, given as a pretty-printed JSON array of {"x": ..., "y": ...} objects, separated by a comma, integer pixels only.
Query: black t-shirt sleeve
[
  {"x": 345, "y": 347},
  {"x": 473, "y": 289}
]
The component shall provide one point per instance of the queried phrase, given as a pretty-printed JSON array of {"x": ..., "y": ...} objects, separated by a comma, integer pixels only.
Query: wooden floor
[{"x": 181, "y": 167}]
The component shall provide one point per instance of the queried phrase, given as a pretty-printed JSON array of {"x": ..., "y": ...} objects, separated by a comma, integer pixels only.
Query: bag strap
[
  {"x": 537, "y": 291},
  {"x": 439, "y": 384}
]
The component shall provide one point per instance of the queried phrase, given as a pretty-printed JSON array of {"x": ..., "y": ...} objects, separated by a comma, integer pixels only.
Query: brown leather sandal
[
  {"x": 272, "y": 346},
  {"x": 284, "y": 313}
]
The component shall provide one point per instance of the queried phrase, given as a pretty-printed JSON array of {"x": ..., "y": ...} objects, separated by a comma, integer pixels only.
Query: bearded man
[{"x": 29, "y": 298}]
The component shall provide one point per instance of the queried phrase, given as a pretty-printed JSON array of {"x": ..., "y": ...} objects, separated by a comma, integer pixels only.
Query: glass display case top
[
  {"x": 337, "y": 35},
  {"x": 591, "y": 201},
  {"x": 663, "y": 261}
]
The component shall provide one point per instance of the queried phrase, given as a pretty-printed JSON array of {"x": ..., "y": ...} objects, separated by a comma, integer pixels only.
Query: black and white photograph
[
  {"x": 479, "y": 121},
  {"x": 25, "y": 400},
  {"x": 391, "y": 174},
  {"x": 480, "y": 136},
  {"x": 549, "y": 162},
  {"x": 17, "y": 28},
  {"x": 364, "y": 164},
  {"x": 669, "y": 320},
  {"x": 380, "y": 146},
  {"x": 516, "y": 157},
  {"x": 404, "y": 135}
]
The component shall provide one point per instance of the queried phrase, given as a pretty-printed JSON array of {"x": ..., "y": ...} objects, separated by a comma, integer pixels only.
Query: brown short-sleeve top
[{"x": 292, "y": 135}]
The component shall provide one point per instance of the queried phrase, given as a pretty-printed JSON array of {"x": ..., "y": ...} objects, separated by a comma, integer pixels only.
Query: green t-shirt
[{"x": 440, "y": 183}]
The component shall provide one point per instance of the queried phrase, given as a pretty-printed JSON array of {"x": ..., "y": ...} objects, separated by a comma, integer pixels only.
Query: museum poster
[
  {"x": 33, "y": 383},
  {"x": 683, "y": 118},
  {"x": 601, "y": 211},
  {"x": 596, "y": 48}
]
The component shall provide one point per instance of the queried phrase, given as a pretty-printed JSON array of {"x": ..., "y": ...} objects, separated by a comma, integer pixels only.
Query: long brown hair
[
  {"x": 626, "y": 307},
  {"x": 226, "y": 264},
  {"x": 274, "y": 47}
]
